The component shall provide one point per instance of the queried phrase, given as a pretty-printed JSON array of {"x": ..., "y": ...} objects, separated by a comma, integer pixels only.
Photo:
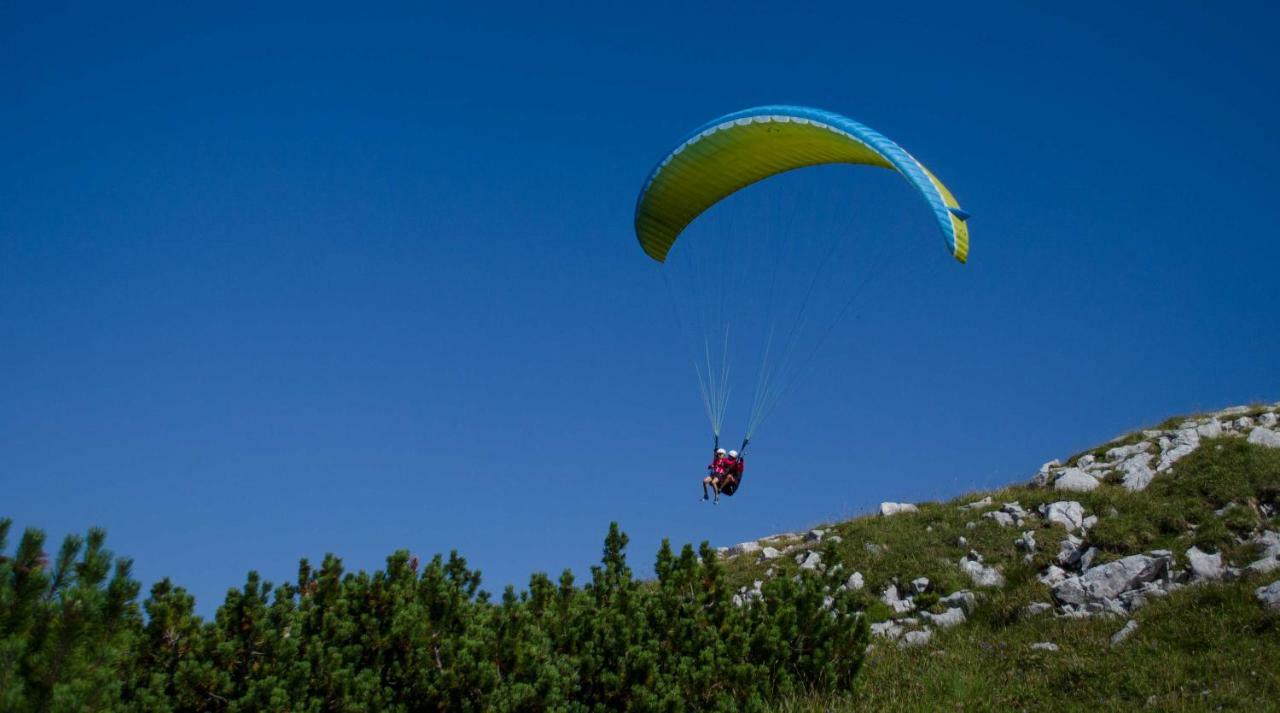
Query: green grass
[{"x": 1208, "y": 647}]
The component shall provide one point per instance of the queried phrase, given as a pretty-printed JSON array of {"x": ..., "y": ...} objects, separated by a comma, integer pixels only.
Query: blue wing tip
[{"x": 960, "y": 213}]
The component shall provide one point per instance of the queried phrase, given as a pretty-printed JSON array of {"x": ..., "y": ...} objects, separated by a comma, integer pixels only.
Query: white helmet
[
  {"x": 733, "y": 454},
  {"x": 719, "y": 451}
]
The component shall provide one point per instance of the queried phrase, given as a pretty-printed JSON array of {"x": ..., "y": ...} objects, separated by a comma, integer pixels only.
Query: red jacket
[
  {"x": 718, "y": 465},
  {"x": 734, "y": 467}
]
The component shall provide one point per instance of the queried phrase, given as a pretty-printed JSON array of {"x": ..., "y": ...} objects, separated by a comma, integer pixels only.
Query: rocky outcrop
[
  {"x": 1116, "y": 587},
  {"x": 1135, "y": 465},
  {"x": 887, "y": 509}
]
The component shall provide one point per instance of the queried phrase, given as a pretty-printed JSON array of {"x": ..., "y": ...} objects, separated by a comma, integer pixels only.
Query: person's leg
[{"x": 704, "y": 486}]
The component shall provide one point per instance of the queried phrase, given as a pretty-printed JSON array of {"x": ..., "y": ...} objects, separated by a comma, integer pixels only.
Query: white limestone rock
[
  {"x": 1026, "y": 543},
  {"x": 1044, "y": 646},
  {"x": 1205, "y": 566},
  {"x": 1120, "y": 453},
  {"x": 1124, "y": 633},
  {"x": 887, "y": 509},
  {"x": 920, "y": 584},
  {"x": 1003, "y": 519},
  {"x": 980, "y": 574},
  {"x": 1069, "y": 551},
  {"x": 743, "y": 548},
  {"x": 769, "y": 553},
  {"x": 1136, "y": 472},
  {"x": 951, "y": 617},
  {"x": 1052, "y": 575},
  {"x": 811, "y": 561},
  {"x": 814, "y": 535},
  {"x": 1212, "y": 429},
  {"x": 1111, "y": 580},
  {"x": 978, "y": 504},
  {"x": 916, "y": 638},
  {"x": 1075, "y": 480},
  {"x": 854, "y": 582},
  {"x": 1268, "y": 420},
  {"x": 1068, "y": 513},
  {"x": 1269, "y": 595},
  {"x": 1186, "y": 441},
  {"x": 886, "y": 629},
  {"x": 1044, "y": 476},
  {"x": 1036, "y": 608},
  {"x": 1264, "y": 437},
  {"x": 1269, "y": 543},
  {"x": 963, "y": 599}
]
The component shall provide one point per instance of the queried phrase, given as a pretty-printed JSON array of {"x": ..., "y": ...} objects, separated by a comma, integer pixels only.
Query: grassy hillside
[{"x": 1203, "y": 646}]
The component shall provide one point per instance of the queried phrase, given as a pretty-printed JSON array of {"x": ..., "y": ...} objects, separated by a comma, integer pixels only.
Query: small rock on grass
[
  {"x": 1118, "y": 637},
  {"x": 1044, "y": 646}
]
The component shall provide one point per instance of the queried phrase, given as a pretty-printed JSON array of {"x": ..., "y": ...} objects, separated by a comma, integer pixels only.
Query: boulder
[
  {"x": 1264, "y": 437},
  {"x": 811, "y": 561},
  {"x": 1109, "y": 581},
  {"x": 980, "y": 574},
  {"x": 814, "y": 535},
  {"x": 1269, "y": 595},
  {"x": 887, "y": 509},
  {"x": 1044, "y": 476},
  {"x": 890, "y": 594},
  {"x": 916, "y": 638},
  {"x": 743, "y": 548},
  {"x": 1086, "y": 559},
  {"x": 963, "y": 599},
  {"x": 947, "y": 619},
  {"x": 1052, "y": 575},
  {"x": 1269, "y": 543},
  {"x": 1211, "y": 429},
  {"x": 1026, "y": 543},
  {"x": 1205, "y": 566},
  {"x": 1124, "y": 633},
  {"x": 1044, "y": 646},
  {"x": 1068, "y": 513},
  {"x": 854, "y": 582},
  {"x": 920, "y": 584},
  {"x": 1075, "y": 480},
  {"x": 1123, "y": 452},
  {"x": 978, "y": 504},
  {"x": 1003, "y": 519},
  {"x": 887, "y": 629},
  {"x": 1268, "y": 420},
  {"x": 872, "y": 548},
  {"x": 769, "y": 553},
  {"x": 1069, "y": 551}
]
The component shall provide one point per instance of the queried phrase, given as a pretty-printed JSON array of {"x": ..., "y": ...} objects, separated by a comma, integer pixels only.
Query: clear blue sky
[{"x": 276, "y": 282}]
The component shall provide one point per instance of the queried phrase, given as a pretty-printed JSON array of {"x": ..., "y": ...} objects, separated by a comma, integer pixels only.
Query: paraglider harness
[{"x": 732, "y": 478}]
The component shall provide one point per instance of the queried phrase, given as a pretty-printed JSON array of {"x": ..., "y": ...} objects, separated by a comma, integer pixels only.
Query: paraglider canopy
[
  {"x": 780, "y": 279},
  {"x": 738, "y": 149}
]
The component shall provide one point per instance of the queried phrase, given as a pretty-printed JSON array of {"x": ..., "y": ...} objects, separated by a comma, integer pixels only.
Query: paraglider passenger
[
  {"x": 733, "y": 468},
  {"x": 715, "y": 472}
]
